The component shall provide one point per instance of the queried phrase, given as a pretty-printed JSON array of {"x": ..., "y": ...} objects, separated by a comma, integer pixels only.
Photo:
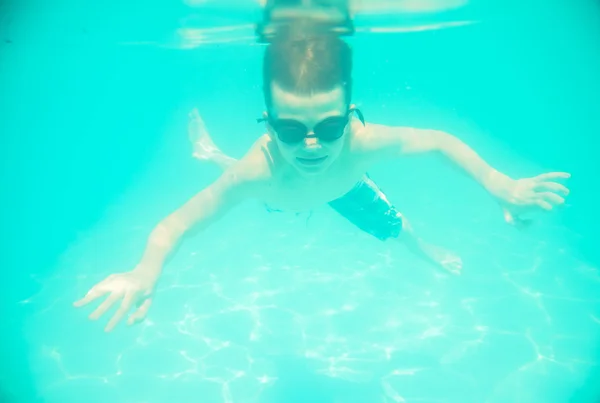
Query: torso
[{"x": 287, "y": 190}]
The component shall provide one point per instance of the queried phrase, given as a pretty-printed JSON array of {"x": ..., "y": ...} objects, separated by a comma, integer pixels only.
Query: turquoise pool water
[{"x": 283, "y": 308}]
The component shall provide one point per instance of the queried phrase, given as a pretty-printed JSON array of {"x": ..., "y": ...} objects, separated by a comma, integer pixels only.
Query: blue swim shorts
[{"x": 367, "y": 207}]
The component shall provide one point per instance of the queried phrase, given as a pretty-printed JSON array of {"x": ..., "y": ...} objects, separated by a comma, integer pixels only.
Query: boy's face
[{"x": 309, "y": 129}]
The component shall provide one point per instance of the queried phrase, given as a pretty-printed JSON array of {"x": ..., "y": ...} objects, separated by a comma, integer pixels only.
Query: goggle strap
[{"x": 359, "y": 114}]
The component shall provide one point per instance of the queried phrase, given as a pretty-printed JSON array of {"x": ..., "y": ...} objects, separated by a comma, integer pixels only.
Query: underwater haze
[{"x": 282, "y": 308}]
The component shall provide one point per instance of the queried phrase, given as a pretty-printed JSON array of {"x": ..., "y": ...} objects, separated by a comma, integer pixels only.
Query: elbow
[
  {"x": 166, "y": 233},
  {"x": 441, "y": 142}
]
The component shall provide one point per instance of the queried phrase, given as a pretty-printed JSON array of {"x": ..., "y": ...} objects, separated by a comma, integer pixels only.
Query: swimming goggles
[{"x": 291, "y": 131}]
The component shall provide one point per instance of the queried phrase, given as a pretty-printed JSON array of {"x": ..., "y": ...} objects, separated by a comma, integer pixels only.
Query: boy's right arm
[
  {"x": 206, "y": 207},
  {"x": 241, "y": 181}
]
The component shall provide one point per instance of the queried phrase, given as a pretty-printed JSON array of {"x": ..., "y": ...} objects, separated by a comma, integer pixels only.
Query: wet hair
[{"x": 304, "y": 58}]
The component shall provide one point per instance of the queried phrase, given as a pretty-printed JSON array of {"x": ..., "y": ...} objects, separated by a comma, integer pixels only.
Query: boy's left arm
[{"x": 515, "y": 195}]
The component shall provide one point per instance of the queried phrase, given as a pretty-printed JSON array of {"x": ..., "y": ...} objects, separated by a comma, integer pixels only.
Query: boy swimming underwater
[{"x": 315, "y": 152}]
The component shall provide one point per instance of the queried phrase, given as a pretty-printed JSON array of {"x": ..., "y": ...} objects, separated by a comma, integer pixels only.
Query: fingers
[
  {"x": 552, "y": 198},
  {"x": 93, "y": 294},
  {"x": 140, "y": 313},
  {"x": 544, "y": 204},
  {"x": 456, "y": 272},
  {"x": 553, "y": 187},
  {"x": 105, "y": 306},
  {"x": 553, "y": 175},
  {"x": 123, "y": 309}
]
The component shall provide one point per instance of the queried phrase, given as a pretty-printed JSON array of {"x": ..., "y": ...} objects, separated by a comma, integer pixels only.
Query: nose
[{"x": 311, "y": 140}]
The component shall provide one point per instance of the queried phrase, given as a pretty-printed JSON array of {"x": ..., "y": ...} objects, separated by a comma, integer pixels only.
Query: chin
[
  {"x": 310, "y": 172},
  {"x": 313, "y": 168}
]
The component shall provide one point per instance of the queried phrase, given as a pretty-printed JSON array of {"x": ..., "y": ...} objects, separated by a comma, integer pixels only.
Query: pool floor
[{"x": 276, "y": 307}]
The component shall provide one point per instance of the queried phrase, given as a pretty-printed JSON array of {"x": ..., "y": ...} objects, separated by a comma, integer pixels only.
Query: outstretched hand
[
  {"x": 133, "y": 288},
  {"x": 542, "y": 192}
]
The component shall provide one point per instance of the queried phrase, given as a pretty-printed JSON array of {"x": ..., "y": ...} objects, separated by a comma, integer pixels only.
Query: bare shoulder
[
  {"x": 367, "y": 139},
  {"x": 255, "y": 169},
  {"x": 258, "y": 163},
  {"x": 382, "y": 141}
]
